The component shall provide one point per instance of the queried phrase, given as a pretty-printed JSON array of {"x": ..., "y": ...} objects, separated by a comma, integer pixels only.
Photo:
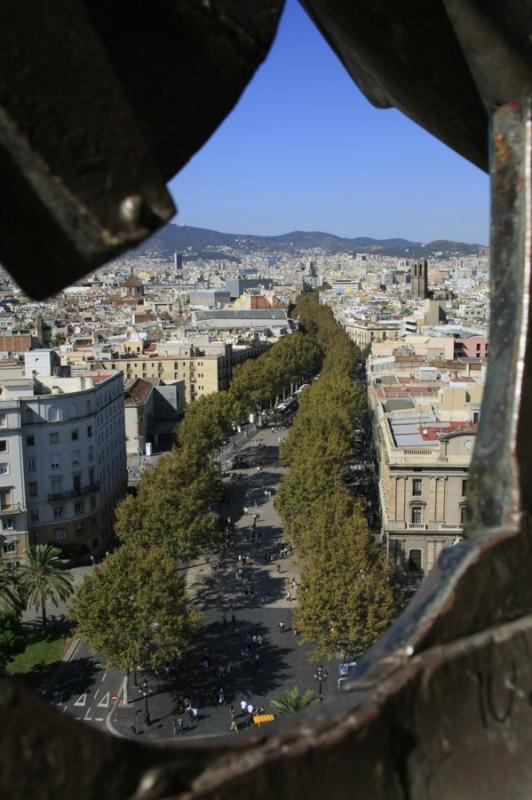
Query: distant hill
[{"x": 205, "y": 243}]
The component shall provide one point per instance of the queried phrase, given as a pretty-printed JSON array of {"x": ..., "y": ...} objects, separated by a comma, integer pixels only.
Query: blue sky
[{"x": 304, "y": 150}]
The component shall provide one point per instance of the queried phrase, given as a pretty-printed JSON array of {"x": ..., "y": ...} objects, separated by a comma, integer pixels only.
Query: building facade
[
  {"x": 63, "y": 467},
  {"x": 424, "y": 434}
]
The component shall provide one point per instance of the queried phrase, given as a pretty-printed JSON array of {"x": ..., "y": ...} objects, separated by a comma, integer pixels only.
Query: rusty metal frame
[{"x": 441, "y": 706}]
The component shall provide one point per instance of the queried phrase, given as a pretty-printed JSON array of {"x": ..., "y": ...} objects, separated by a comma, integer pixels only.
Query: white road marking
[
  {"x": 96, "y": 693},
  {"x": 104, "y": 677},
  {"x": 104, "y": 702},
  {"x": 81, "y": 701},
  {"x": 98, "y": 719},
  {"x": 86, "y": 717}
]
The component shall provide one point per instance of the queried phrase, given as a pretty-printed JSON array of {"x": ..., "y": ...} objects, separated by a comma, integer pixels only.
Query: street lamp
[
  {"x": 320, "y": 675},
  {"x": 145, "y": 692}
]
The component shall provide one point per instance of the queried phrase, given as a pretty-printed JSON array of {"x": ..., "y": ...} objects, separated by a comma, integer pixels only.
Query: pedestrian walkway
[{"x": 247, "y": 649}]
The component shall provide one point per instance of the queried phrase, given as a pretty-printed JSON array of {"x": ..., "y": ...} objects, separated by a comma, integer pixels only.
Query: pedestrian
[
  {"x": 243, "y": 705},
  {"x": 278, "y": 569},
  {"x": 282, "y": 627},
  {"x": 254, "y": 640},
  {"x": 288, "y": 596},
  {"x": 259, "y": 640},
  {"x": 250, "y": 709},
  {"x": 221, "y": 697},
  {"x": 257, "y": 660},
  {"x": 234, "y": 726},
  {"x": 255, "y": 519},
  {"x": 232, "y": 711},
  {"x": 233, "y": 618},
  {"x": 294, "y": 630},
  {"x": 174, "y": 727}
]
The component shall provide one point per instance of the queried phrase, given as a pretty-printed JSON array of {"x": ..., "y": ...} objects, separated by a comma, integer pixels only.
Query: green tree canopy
[
  {"x": 209, "y": 421},
  {"x": 11, "y": 589},
  {"x": 172, "y": 506},
  {"x": 134, "y": 608},
  {"x": 44, "y": 578},
  {"x": 345, "y": 599}
]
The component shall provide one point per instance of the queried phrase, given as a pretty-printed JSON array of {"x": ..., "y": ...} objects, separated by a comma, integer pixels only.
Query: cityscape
[{"x": 228, "y": 462}]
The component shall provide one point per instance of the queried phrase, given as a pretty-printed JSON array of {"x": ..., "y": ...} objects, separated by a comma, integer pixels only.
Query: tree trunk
[{"x": 43, "y": 612}]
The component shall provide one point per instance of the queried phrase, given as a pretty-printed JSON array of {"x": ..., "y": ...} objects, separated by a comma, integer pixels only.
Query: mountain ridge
[{"x": 207, "y": 243}]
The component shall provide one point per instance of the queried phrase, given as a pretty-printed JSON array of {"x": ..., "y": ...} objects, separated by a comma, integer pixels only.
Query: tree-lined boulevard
[{"x": 233, "y": 594}]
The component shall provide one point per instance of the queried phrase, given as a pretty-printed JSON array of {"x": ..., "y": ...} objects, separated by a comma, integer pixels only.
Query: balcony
[
  {"x": 14, "y": 508},
  {"x": 72, "y": 493}
]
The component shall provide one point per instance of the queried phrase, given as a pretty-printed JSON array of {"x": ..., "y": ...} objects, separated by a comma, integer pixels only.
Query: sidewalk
[{"x": 257, "y": 598}]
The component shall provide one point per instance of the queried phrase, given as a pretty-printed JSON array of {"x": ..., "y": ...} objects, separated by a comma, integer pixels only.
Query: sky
[{"x": 304, "y": 150}]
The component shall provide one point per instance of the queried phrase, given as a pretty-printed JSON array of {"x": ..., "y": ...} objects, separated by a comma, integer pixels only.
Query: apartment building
[
  {"x": 365, "y": 331},
  {"x": 203, "y": 370},
  {"x": 63, "y": 462},
  {"x": 424, "y": 429}
]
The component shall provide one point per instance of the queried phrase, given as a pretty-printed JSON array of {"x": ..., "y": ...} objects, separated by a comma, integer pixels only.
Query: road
[
  {"x": 259, "y": 600},
  {"x": 84, "y": 688}
]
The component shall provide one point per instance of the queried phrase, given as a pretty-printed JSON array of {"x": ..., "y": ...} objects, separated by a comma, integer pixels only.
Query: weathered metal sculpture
[{"x": 441, "y": 706}]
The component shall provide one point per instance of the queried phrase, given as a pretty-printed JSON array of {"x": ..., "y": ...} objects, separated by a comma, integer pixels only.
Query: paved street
[
  {"x": 83, "y": 688},
  {"x": 247, "y": 591},
  {"x": 221, "y": 658}
]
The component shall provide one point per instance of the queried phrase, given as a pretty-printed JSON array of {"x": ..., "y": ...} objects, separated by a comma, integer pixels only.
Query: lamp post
[
  {"x": 320, "y": 675},
  {"x": 144, "y": 689}
]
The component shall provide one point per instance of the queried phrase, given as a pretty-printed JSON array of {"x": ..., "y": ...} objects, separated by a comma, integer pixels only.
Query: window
[
  {"x": 54, "y": 414},
  {"x": 417, "y": 515},
  {"x": 415, "y": 560},
  {"x": 10, "y": 546},
  {"x": 79, "y": 508},
  {"x": 76, "y": 483},
  {"x": 3, "y": 445},
  {"x": 75, "y": 458},
  {"x": 3, "y": 420},
  {"x": 464, "y": 488},
  {"x": 32, "y": 464},
  {"x": 74, "y": 435},
  {"x": 55, "y": 461},
  {"x": 30, "y": 441},
  {"x": 463, "y": 514},
  {"x": 54, "y": 438},
  {"x": 33, "y": 488},
  {"x": 8, "y": 524},
  {"x": 89, "y": 431},
  {"x": 57, "y": 484},
  {"x": 476, "y": 416},
  {"x": 34, "y": 514},
  {"x": 91, "y": 475},
  {"x": 60, "y": 534},
  {"x": 417, "y": 487},
  {"x": 4, "y": 468},
  {"x": 58, "y": 512}
]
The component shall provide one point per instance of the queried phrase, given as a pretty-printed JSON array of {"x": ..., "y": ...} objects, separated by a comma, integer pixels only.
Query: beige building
[
  {"x": 424, "y": 434},
  {"x": 364, "y": 332},
  {"x": 203, "y": 370}
]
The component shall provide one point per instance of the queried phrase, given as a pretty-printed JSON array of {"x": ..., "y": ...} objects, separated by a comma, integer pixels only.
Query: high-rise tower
[{"x": 419, "y": 279}]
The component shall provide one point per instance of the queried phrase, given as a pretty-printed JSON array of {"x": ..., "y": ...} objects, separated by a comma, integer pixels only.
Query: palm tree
[
  {"x": 292, "y": 700},
  {"x": 11, "y": 594},
  {"x": 44, "y": 578}
]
